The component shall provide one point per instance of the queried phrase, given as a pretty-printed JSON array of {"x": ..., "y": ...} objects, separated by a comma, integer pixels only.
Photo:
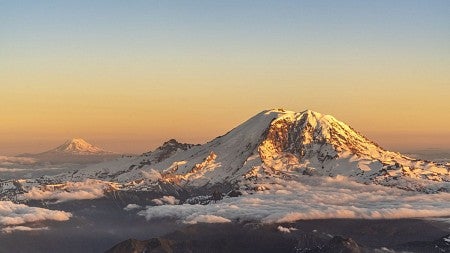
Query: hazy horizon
[{"x": 127, "y": 76}]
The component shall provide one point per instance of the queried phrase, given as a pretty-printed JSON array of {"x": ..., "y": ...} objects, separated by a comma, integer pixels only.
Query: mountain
[
  {"x": 80, "y": 147},
  {"x": 277, "y": 167},
  {"x": 307, "y": 243},
  {"x": 272, "y": 144},
  {"x": 76, "y": 151}
]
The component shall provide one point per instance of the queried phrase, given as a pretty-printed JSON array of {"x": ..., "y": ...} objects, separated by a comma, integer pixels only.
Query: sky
[{"x": 128, "y": 75}]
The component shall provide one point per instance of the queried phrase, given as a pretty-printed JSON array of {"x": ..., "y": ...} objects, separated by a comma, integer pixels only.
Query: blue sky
[{"x": 377, "y": 65}]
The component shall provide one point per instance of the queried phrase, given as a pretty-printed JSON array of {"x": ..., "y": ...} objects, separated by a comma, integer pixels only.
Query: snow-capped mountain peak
[
  {"x": 80, "y": 146},
  {"x": 74, "y": 151},
  {"x": 299, "y": 133}
]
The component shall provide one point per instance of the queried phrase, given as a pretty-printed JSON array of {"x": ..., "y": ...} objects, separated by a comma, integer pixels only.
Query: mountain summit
[
  {"x": 76, "y": 151},
  {"x": 80, "y": 146}
]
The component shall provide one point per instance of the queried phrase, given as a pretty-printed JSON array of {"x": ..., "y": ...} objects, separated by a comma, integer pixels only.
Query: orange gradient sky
[{"x": 127, "y": 77}]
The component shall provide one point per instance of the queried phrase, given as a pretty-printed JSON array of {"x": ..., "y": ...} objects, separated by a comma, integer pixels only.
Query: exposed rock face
[
  {"x": 311, "y": 134},
  {"x": 167, "y": 149}
]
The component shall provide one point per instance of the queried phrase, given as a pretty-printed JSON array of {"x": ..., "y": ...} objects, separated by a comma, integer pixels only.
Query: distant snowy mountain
[
  {"x": 81, "y": 147},
  {"x": 76, "y": 151},
  {"x": 273, "y": 144}
]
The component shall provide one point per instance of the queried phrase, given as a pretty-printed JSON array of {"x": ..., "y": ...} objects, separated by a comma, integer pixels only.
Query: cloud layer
[
  {"x": 9, "y": 230},
  {"x": 88, "y": 189},
  {"x": 26, "y": 167},
  {"x": 12, "y": 160},
  {"x": 285, "y": 230},
  {"x": 206, "y": 218},
  {"x": 16, "y": 214},
  {"x": 313, "y": 198}
]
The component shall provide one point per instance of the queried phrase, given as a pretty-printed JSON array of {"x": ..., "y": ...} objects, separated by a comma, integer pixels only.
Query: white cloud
[
  {"x": 207, "y": 218},
  {"x": 24, "y": 167},
  {"x": 16, "y": 214},
  {"x": 285, "y": 230},
  {"x": 130, "y": 207},
  {"x": 151, "y": 175},
  {"x": 166, "y": 200},
  {"x": 88, "y": 189},
  {"x": 11, "y": 160},
  {"x": 386, "y": 250},
  {"x": 12, "y": 169},
  {"x": 30, "y": 169},
  {"x": 314, "y": 198}
]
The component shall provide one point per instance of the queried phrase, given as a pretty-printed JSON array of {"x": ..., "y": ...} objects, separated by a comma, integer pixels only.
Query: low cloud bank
[
  {"x": 12, "y": 160},
  {"x": 88, "y": 189},
  {"x": 313, "y": 198},
  {"x": 12, "y": 214},
  {"x": 9, "y": 230},
  {"x": 30, "y": 169},
  {"x": 26, "y": 167},
  {"x": 207, "y": 218},
  {"x": 2, "y": 169}
]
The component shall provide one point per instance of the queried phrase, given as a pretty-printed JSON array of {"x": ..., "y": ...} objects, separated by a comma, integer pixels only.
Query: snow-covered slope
[
  {"x": 75, "y": 150},
  {"x": 118, "y": 169},
  {"x": 273, "y": 144}
]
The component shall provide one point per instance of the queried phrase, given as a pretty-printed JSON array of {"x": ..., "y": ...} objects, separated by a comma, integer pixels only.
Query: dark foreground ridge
[
  {"x": 152, "y": 245},
  {"x": 336, "y": 244},
  {"x": 259, "y": 238}
]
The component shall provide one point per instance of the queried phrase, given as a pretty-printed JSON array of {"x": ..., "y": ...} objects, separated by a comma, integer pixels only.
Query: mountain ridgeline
[{"x": 272, "y": 144}]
